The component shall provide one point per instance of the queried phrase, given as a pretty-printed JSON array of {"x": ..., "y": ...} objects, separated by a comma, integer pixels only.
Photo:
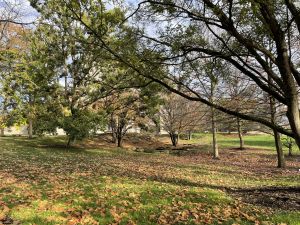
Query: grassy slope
[{"x": 51, "y": 185}]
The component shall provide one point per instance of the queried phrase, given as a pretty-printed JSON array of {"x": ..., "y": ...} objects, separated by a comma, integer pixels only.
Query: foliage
[{"x": 81, "y": 123}]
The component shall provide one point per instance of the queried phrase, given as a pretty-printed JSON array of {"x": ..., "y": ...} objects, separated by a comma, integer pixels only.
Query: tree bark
[
  {"x": 2, "y": 132},
  {"x": 214, "y": 134},
  {"x": 213, "y": 122},
  {"x": 290, "y": 146},
  {"x": 294, "y": 119},
  {"x": 278, "y": 144},
  {"x": 240, "y": 132},
  {"x": 279, "y": 150},
  {"x": 174, "y": 138},
  {"x": 119, "y": 141}
]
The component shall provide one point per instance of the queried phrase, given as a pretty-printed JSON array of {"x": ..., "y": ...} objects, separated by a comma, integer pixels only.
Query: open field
[{"x": 94, "y": 183}]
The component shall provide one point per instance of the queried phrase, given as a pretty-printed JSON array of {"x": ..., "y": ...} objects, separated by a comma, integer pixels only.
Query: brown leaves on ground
[{"x": 108, "y": 186}]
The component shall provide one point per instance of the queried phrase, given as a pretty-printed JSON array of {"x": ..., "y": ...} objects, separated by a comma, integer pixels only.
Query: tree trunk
[
  {"x": 119, "y": 141},
  {"x": 189, "y": 135},
  {"x": 294, "y": 119},
  {"x": 113, "y": 129},
  {"x": 174, "y": 139},
  {"x": 2, "y": 132},
  {"x": 113, "y": 137},
  {"x": 279, "y": 150},
  {"x": 119, "y": 135},
  {"x": 30, "y": 129},
  {"x": 69, "y": 142},
  {"x": 214, "y": 134},
  {"x": 157, "y": 124},
  {"x": 278, "y": 144},
  {"x": 290, "y": 147},
  {"x": 240, "y": 132}
]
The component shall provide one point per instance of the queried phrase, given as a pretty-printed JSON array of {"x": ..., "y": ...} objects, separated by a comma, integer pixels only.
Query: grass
[
  {"x": 41, "y": 184},
  {"x": 263, "y": 141}
]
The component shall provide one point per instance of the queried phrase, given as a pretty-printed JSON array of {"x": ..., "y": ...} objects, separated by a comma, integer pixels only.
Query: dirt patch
[{"x": 276, "y": 198}]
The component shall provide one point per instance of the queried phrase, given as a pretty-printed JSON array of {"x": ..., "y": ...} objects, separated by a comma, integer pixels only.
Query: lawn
[
  {"x": 44, "y": 183},
  {"x": 263, "y": 141}
]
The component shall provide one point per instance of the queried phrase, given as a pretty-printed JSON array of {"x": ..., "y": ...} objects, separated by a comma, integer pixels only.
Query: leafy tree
[
  {"x": 13, "y": 47},
  {"x": 74, "y": 68},
  {"x": 80, "y": 124}
]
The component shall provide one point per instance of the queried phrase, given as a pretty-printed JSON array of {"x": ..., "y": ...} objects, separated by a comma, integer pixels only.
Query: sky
[{"x": 27, "y": 13}]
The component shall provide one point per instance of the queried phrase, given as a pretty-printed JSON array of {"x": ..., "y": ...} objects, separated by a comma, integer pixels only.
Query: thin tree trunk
[
  {"x": 279, "y": 150},
  {"x": 157, "y": 126},
  {"x": 69, "y": 142},
  {"x": 290, "y": 147},
  {"x": 189, "y": 135},
  {"x": 213, "y": 122},
  {"x": 278, "y": 144},
  {"x": 240, "y": 133},
  {"x": 2, "y": 132},
  {"x": 214, "y": 134}
]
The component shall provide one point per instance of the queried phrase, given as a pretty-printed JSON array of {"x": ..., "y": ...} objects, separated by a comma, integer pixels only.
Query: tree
[
  {"x": 129, "y": 108},
  {"x": 75, "y": 71},
  {"x": 13, "y": 47},
  {"x": 227, "y": 25},
  {"x": 241, "y": 95},
  {"x": 179, "y": 115}
]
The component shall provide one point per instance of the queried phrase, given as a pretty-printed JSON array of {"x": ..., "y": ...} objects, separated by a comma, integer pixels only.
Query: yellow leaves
[
  {"x": 4, "y": 210},
  {"x": 117, "y": 214},
  {"x": 73, "y": 221},
  {"x": 162, "y": 219},
  {"x": 43, "y": 205},
  {"x": 216, "y": 209},
  {"x": 88, "y": 219},
  {"x": 248, "y": 217},
  {"x": 66, "y": 111},
  {"x": 227, "y": 212}
]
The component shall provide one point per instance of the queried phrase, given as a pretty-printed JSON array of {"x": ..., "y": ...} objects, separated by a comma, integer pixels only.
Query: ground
[{"x": 96, "y": 183}]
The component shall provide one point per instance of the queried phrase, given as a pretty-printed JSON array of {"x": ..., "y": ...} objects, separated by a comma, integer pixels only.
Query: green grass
[
  {"x": 54, "y": 185},
  {"x": 263, "y": 141}
]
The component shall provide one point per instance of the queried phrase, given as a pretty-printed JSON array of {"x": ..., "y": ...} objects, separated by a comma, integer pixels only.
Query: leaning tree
[{"x": 259, "y": 38}]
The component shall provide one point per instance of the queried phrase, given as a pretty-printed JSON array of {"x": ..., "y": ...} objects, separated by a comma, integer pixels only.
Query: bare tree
[{"x": 179, "y": 115}]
